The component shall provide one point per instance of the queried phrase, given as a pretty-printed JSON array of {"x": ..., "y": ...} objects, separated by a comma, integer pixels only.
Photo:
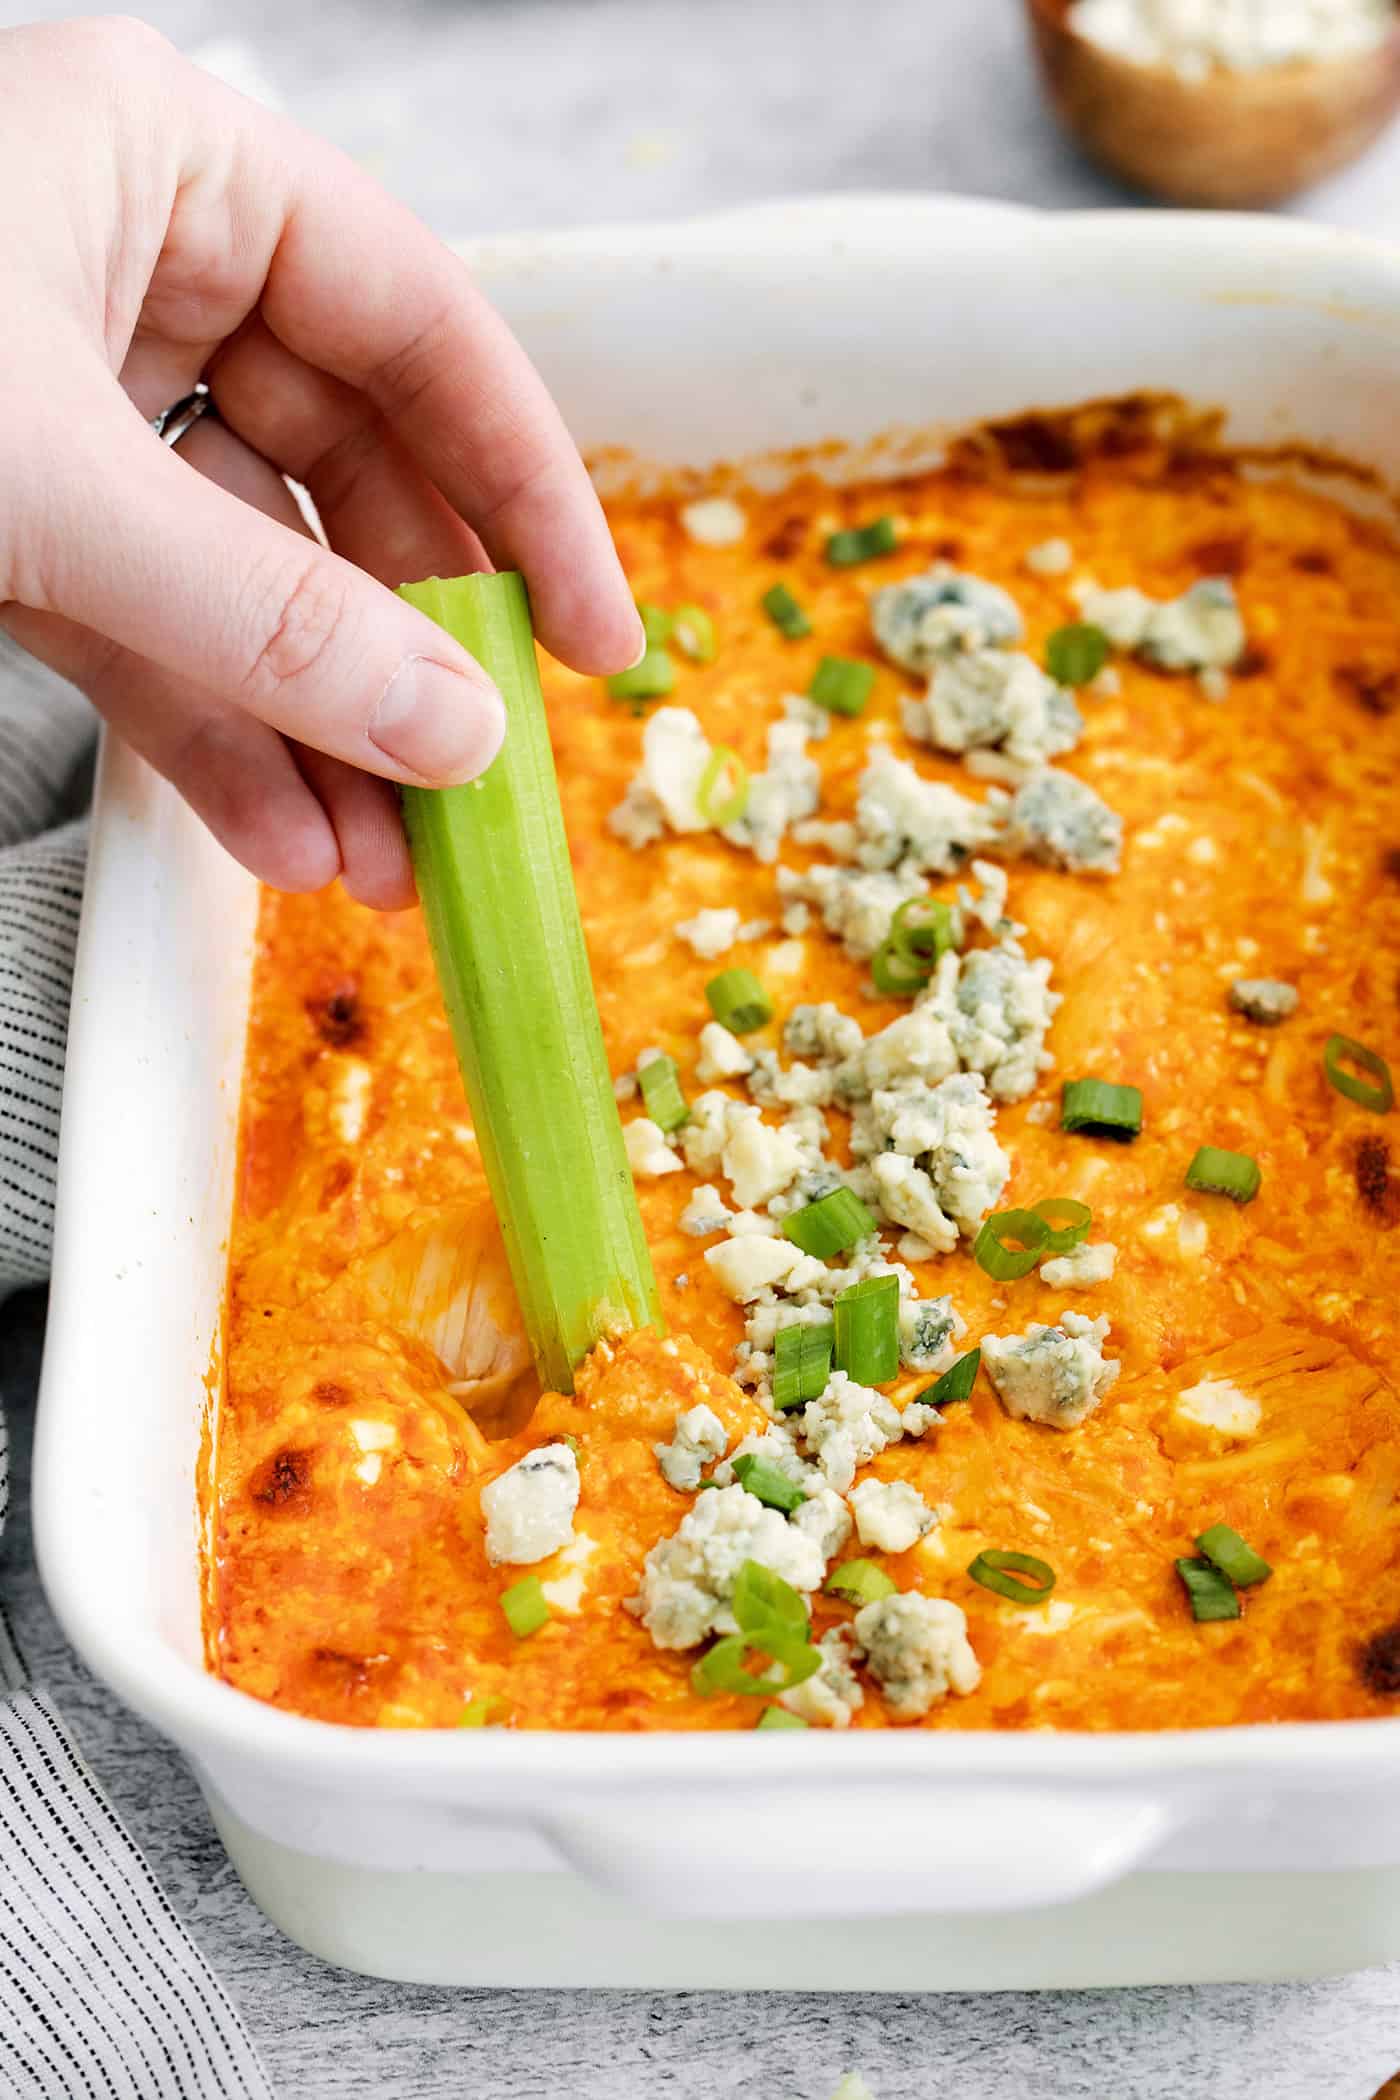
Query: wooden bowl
[{"x": 1232, "y": 139}]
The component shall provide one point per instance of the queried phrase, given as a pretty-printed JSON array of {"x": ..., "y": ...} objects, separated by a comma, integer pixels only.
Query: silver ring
[{"x": 179, "y": 419}]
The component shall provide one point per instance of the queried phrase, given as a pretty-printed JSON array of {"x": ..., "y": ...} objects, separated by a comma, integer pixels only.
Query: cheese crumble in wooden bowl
[{"x": 1219, "y": 102}]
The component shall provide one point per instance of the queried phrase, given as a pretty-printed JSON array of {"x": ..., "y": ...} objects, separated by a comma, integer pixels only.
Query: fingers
[
  {"x": 236, "y": 774},
  {"x": 364, "y": 813},
  {"x": 172, "y": 568},
  {"x": 358, "y": 287},
  {"x": 376, "y": 505},
  {"x": 290, "y": 815}
]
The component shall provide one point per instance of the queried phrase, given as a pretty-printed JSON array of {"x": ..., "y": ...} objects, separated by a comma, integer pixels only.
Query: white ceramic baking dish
[{"x": 495, "y": 1857}]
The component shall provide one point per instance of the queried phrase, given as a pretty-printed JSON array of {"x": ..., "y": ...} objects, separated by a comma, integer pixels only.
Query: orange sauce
[{"x": 348, "y": 1578}]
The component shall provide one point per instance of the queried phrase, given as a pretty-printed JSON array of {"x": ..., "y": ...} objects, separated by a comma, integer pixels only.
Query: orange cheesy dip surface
[{"x": 1171, "y": 867}]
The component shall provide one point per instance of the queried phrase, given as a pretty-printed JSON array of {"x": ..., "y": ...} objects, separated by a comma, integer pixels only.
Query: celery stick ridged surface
[{"x": 492, "y": 863}]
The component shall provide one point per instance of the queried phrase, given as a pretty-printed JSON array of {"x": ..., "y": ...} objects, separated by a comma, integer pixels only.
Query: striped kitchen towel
[{"x": 103, "y": 1995}]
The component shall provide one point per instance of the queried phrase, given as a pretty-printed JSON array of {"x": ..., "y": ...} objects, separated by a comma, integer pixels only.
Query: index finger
[{"x": 360, "y": 288}]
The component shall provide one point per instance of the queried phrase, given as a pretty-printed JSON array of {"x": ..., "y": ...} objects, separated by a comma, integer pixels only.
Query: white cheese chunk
[
  {"x": 1217, "y": 1404},
  {"x": 745, "y": 1268},
  {"x": 722, "y": 1055},
  {"x": 373, "y": 1436},
  {"x": 705, "y": 1213},
  {"x": 1050, "y": 558},
  {"x": 648, "y": 1153},
  {"x": 529, "y": 1510},
  {"x": 714, "y": 521},
  {"x": 351, "y": 1086},
  {"x": 710, "y": 933},
  {"x": 890, "y": 1515},
  {"x": 1082, "y": 1266}
]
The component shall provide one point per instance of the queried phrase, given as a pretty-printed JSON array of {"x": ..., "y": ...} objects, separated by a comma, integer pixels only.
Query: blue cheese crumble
[
  {"x": 1056, "y": 1375},
  {"x": 1264, "y": 1000},
  {"x": 1058, "y": 819},
  {"x": 856, "y": 905},
  {"x": 688, "y": 1579},
  {"x": 927, "y": 618},
  {"x": 935, "y": 1164},
  {"x": 699, "y": 1436},
  {"x": 996, "y": 1007},
  {"x": 846, "y": 1427},
  {"x": 990, "y": 700},
  {"x": 917, "y": 1651},
  {"x": 1201, "y": 630},
  {"x": 918, "y": 826},
  {"x": 834, "y": 1695}
]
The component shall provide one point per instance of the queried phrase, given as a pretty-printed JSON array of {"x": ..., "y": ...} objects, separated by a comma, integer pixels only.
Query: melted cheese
[{"x": 349, "y": 1577}]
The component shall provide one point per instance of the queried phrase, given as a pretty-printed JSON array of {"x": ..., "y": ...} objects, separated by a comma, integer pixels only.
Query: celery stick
[{"x": 493, "y": 872}]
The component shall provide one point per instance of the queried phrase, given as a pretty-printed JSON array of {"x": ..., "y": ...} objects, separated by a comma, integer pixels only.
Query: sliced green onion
[
  {"x": 866, "y": 1320},
  {"x": 926, "y": 927},
  {"x": 724, "y": 788},
  {"x": 762, "y": 1598},
  {"x": 477, "y": 1713},
  {"x": 860, "y": 1581},
  {"x": 1211, "y": 1593},
  {"x": 999, "y": 1571},
  {"x": 651, "y": 679},
  {"x": 660, "y": 1082},
  {"x": 738, "y": 1001},
  {"x": 801, "y": 1364},
  {"x": 656, "y": 624},
  {"x": 492, "y": 863},
  {"x": 693, "y": 632},
  {"x": 1072, "y": 1232},
  {"x": 785, "y": 612},
  {"x": 1234, "y": 1557},
  {"x": 1004, "y": 1263},
  {"x": 897, "y": 973},
  {"x": 830, "y": 1225},
  {"x": 1217, "y": 1173},
  {"x": 722, "y": 1670},
  {"x": 760, "y": 1478},
  {"x": 922, "y": 930},
  {"x": 779, "y": 1717},
  {"x": 955, "y": 1384},
  {"x": 526, "y": 1607},
  {"x": 1077, "y": 653},
  {"x": 844, "y": 550},
  {"x": 842, "y": 685},
  {"x": 1381, "y": 1096},
  {"x": 1101, "y": 1108}
]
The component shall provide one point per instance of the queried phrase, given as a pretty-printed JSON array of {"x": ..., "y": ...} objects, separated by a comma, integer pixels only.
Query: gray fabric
[{"x": 103, "y": 1996}]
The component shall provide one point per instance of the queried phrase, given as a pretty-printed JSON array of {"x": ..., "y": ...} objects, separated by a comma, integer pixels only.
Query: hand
[{"x": 155, "y": 228}]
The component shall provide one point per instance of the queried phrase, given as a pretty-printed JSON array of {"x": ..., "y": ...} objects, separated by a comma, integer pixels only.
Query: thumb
[{"x": 150, "y": 554}]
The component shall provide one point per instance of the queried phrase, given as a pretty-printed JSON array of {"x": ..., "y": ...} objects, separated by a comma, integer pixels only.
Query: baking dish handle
[{"x": 844, "y": 1851}]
